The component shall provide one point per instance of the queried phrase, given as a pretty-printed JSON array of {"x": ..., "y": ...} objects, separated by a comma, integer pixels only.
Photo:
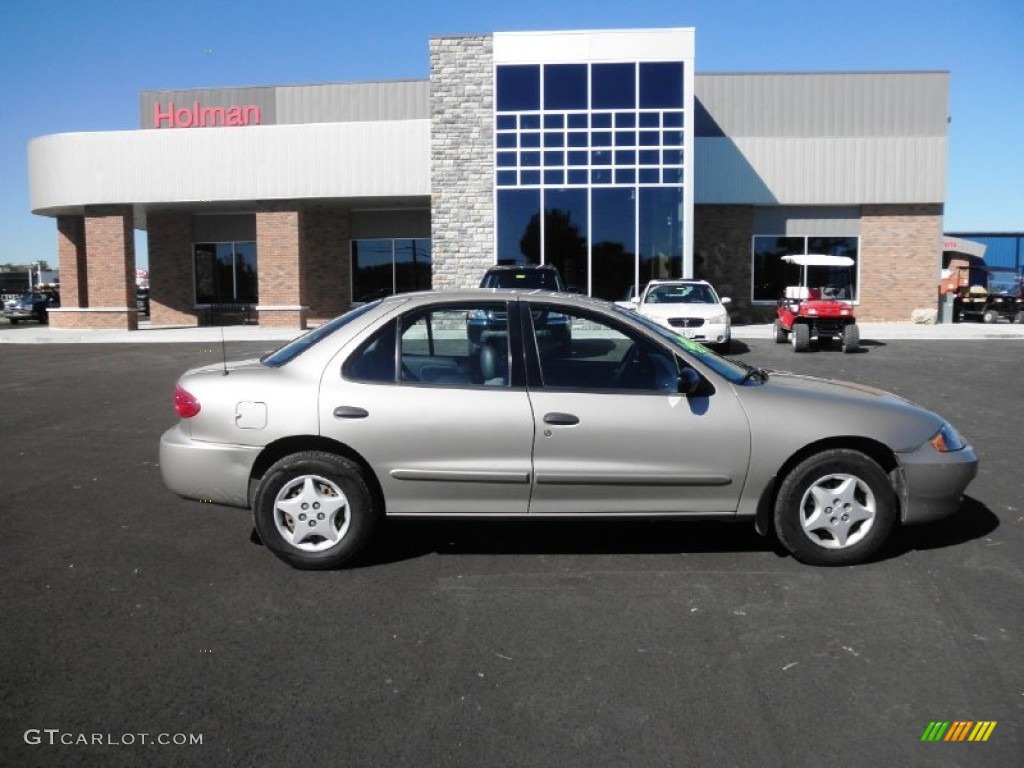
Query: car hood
[
  {"x": 806, "y": 408},
  {"x": 681, "y": 310}
]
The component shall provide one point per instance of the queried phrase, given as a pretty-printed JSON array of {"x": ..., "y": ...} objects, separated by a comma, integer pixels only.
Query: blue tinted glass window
[
  {"x": 625, "y": 120},
  {"x": 601, "y": 139},
  {"x": 601, "y": 157},
  {"x": 601, "y": 176},
  {"x": 649, "y": 157},
  {"x": 506, "y": 178},
  {"x": 518, "y": 88},
  {"x": 530, "y": 139},
  {"x": 516, "y": 209},
  {"x": 625, "y": 138},
  {"x": 661, "y": 233},
  {"x": 554, "y": 121},
  {"x": 673, "y": 120},
  {"x": 577, "y": 139},
  {"x": 506, "y": 159},
  {"x": 577, "y": 158},
  {"x": 530, "y": 159},
  {"x": 577, "y": 177},
  {"x": 529, "y": 122},
  {"x": 673, "y": 156},
  {"x": 661, "y": 85},
  {"x": 552, "y": 139},
  {"x": 650, "y": 138},
  {"x": 603, "y": 120},
  {"x": 565, "y": 234},
  {"x": 614, "y": 86},
  {"x": 577, "y": 121},
  {"x": 554, "y": 177},
  {"x": 672, "y": 176},
  {"x": 506, "y": 141},
  {"x": 672, "y": 138},
  {"x": 506, "y": 122},
  {"x": 612, "y": 242},
  {"x": 650, "y": 119},
  {"x": 554, "y": 158},
  {"x": 625, "y": 176},
  {"x": 529, "y": 177},
  {"x": 565, "y": 86},
  {"x": 650, "y": 175},
  {"x": 625, "y": 157}
]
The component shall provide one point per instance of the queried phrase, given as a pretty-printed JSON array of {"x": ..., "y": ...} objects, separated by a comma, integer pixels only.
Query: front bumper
[
  {"x": 934, "y": 483},
  {"x": 213, "y": 472}
]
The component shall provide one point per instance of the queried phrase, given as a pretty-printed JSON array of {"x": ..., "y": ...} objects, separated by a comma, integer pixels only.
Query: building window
[
  {"x": 225, "y": 272},
  {"x": 385, "y": 266},
  {"x": 588, "y": 169},
  {"x": 771, "y": 274}
]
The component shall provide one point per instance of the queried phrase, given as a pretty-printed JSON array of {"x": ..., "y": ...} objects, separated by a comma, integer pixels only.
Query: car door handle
[
  {"x": 350, "y": 412},
  {"x": 561, "y": 419}
]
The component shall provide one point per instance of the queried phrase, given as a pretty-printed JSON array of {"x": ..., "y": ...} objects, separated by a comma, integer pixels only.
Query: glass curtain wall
[
  {"x": 772, "y": 274},
  {"x": 384, "y": 266},
  {"x": 589, "y": 171},
  {"x": 225, "y": 273}
]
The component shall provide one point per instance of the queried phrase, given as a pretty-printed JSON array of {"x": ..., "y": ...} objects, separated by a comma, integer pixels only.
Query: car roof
[
  {"x": 422, "y": 298},
  {"x": 522, "y": 267}
]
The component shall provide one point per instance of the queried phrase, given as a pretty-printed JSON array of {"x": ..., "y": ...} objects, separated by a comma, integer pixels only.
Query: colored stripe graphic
[{"x": 958, "y": 730}]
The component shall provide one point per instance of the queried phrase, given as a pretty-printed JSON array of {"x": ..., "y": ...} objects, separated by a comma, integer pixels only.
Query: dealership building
[{"x": 601, "y": 152}]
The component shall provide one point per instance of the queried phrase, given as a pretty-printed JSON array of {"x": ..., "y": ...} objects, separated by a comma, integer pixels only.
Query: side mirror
[
  {"x": 726, "y": 300},
  {"x": 689, "y": 381},
  {"x": 634, "y": 299}
]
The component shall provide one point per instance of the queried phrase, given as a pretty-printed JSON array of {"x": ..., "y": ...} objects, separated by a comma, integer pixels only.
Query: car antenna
[{"x": 223, "y": 350}]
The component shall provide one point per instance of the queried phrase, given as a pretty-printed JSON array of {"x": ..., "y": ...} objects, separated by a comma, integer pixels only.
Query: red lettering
[
  {"x": 200, "y": 117},
  {"x": 159, "y": 116},
  {"x": 211, "y": 116},
  {"x": 182, "y": 118},
  {"x": 252, "y": 114}
]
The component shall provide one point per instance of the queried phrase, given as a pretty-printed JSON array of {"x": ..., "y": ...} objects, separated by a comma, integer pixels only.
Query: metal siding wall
[
  {"x": 370, "y": 224},
  {"x": 222, "y": 228},
  {"x": 826, "y": 221},
  {"x": 354, "y": 102}
]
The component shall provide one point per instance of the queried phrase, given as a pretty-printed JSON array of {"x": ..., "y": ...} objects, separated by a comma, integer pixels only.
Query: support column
[
  {"x": 171, "y": 284},
  {"x": 277, "y": 253},
  {"x": 71, "y": 258},
  {"x": 109, "y": 274},
  {"x": 324, "y": 262}
]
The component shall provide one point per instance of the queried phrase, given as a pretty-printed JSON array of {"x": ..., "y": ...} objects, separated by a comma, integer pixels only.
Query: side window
[
  {"x": 375, "y": 360},
  {"x": 580, "y": 351},
  {"x": 456, "y": 346}
]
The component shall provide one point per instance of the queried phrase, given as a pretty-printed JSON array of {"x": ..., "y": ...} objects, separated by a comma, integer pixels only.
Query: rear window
[
  {"x": 544, "y": 279},
  {"x": 296, "y": 347}
]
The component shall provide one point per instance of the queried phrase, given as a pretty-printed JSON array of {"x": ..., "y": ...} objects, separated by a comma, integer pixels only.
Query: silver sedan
[{"x": 396, "y": 409}]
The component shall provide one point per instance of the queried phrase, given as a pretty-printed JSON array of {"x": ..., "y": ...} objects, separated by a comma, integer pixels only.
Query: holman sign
[{"x": 198, "y": 116}]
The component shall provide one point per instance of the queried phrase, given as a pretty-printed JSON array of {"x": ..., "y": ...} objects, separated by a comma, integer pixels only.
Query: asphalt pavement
[{"x": 132, "y": 616}]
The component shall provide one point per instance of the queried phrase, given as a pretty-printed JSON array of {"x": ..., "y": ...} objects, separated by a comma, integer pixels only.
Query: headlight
[
  {"x": 947, "y": 440},
  {"x": 721, "y": 319}
]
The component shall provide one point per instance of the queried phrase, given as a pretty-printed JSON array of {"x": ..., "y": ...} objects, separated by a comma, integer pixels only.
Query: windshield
[
  {"x": 681, "y": 293},
  {"x": 296, "y": 347},
  {"x": 720, "y": 365},
  {"x": 545, "y": 279}
]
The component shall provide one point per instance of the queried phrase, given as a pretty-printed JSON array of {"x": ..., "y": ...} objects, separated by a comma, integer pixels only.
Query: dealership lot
[{"x": 129, "y": 611}]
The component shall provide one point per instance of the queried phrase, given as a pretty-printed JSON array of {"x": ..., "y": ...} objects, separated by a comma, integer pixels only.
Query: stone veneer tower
[{"x": 462, "y": 164}]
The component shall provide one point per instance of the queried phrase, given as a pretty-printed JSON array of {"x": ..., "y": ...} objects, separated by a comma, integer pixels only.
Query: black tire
[
  {"x": 14, "y": 320},
  {"x": 820, "y": 535},
  {"x": 851, "y": 338},
  {"x": 323, "y": 477},
  {"x": 990, "y": 316},
  {"x": 781, "y": 337},
  {"x": 1019, "y": 318},
  {"x": 801, "y": 337},
  {"x": 724, "y": 348}
]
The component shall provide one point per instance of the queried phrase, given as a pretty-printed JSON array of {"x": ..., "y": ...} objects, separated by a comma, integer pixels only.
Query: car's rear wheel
[
  {"x": 835, "y": 508},
  {"x": 990, "y": 316},
  {"x": 851, "y": 338},
  {"x": 13, "y": 320},
  {"x": 780, "y": 333},
  {"x": 1019, "y": 318},
  {"x": 801, "y": 337},
  {"x": 315, "y": 510}
]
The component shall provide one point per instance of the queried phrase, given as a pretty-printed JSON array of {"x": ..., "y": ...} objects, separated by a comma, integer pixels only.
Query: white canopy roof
[{"x": 819, "y": 260}]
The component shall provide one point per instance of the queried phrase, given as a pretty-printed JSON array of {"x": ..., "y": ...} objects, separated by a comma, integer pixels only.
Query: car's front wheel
[
  {"x": 781, "y": 337},
  {"x": 835, "y": 508},
  {"x": 315, "y": 510},
  {"x": 801, "y": 337}
]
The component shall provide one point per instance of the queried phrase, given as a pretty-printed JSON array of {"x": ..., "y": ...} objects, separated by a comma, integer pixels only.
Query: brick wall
[
  {"x": 171, "y": 278},
  {"x": 110, "y": 254},
  {"x": 325, "y": 257},
  {"x": 277, "y": 253},
  {"x": 74, "y": 290},
  {"x": 462, "y": 165},
  {"x": 900, "y": 260}
]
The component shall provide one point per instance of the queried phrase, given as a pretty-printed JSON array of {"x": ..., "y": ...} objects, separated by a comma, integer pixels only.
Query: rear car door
[
  {"x": 613, "y": 435},
  {"x": 444, "y": 420}
]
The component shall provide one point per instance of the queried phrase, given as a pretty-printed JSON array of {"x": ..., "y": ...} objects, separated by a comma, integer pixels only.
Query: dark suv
[
  {"x": 32, "y": 306},
  {"x": 550, "y": 326}
]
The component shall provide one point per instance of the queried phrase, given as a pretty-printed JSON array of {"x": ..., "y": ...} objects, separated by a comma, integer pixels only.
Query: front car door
[
  {"x": 612, "y": 434},
  {"x": 444, "y": 419}
]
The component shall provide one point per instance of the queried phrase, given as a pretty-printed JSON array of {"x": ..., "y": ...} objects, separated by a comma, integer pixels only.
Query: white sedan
[{"x": 690, "y": 308}]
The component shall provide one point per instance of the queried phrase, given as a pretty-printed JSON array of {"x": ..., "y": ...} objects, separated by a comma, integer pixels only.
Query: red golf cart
[{"x": 820, "y": 307}]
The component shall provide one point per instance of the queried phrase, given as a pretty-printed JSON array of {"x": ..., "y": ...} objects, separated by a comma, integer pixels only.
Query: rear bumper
[
  {"x": 934, "y": 482},
  {"x": 212, "y": 472}
]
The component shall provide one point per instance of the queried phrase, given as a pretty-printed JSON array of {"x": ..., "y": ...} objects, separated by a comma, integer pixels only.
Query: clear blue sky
[{"x": 78, "y": 65}]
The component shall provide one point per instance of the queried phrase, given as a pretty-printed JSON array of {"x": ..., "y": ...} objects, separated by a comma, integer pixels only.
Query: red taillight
[{"x": 185, "y": 403}]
